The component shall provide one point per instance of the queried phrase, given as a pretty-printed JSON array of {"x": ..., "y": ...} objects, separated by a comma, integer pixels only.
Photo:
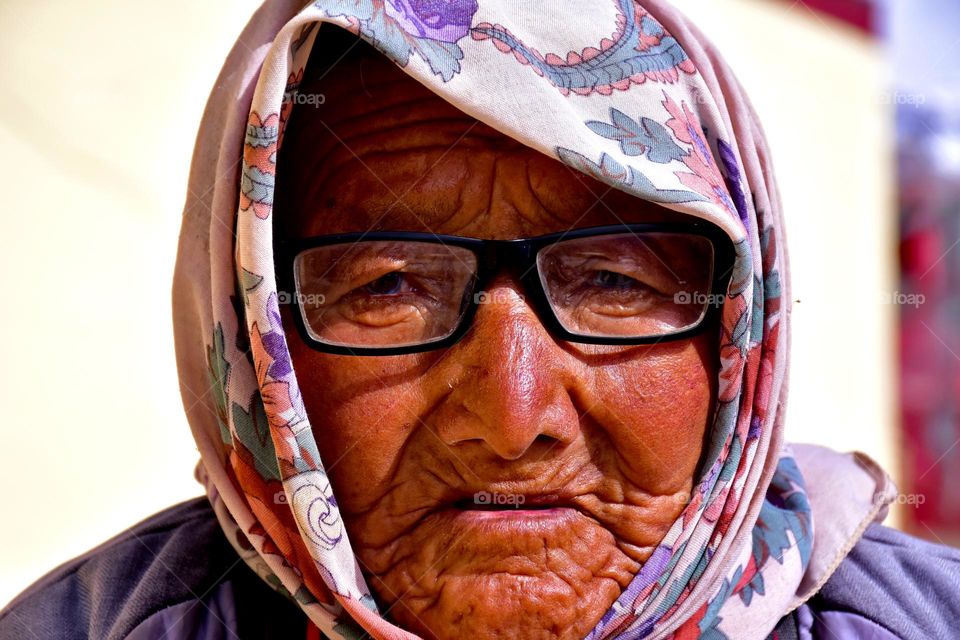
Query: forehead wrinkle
[
  {"x": 394, "y": 180},
  {"x": 319, "y": 154},
  {"x": 328, "y": 194},
  {"x": 535, "y": 192},
  {"x": 312, "y": 138},
  {"x": 443, "y": 209},
  {"x": 317, "y": 168}
]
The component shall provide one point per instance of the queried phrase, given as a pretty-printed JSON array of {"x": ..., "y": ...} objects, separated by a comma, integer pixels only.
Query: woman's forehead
[{"x": 382, "y": 152}]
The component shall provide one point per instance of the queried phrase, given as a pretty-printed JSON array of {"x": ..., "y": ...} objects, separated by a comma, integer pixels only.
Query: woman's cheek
[
  {"x": 655, "y": 412},
  {"x": 361, "y": 410},
  {"x": 360, "y": 438}
]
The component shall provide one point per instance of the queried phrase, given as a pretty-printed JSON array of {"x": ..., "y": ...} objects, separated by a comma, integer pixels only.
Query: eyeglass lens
[{"x": 393, "y": 293}]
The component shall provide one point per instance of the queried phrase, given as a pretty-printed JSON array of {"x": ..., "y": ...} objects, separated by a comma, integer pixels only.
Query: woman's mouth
[
  {"x": 515, "y": 511},
  {"x": 487, "y": 501}
]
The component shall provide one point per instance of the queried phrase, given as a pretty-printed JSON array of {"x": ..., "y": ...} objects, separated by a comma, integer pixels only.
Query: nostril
[
  {"x": 544, "y": 442},
  {"x": 537, "y": 448}
]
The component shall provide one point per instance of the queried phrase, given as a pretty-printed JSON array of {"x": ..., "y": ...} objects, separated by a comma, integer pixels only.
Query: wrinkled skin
[{"x": 608, "y": 437}]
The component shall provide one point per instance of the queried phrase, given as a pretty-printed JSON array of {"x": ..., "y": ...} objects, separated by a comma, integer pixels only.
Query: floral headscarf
[{"x": 626, "y": 91}]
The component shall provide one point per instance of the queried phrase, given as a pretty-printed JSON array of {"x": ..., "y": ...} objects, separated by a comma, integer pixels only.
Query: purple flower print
[{"x": 442, "y": 20}]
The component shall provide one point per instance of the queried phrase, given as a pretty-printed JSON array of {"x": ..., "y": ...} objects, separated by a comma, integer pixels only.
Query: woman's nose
[{"x": 510, "y": 383}]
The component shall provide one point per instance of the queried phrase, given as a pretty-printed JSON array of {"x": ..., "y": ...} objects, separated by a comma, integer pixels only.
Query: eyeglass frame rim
[{"x": 491, "y": 257}]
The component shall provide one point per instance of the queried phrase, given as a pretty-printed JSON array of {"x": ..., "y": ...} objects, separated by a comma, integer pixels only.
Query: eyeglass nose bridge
[
  {"x": 515, "y": 257},
  {"x": 499, "y": 254},
  {"x": 518, "y": 259}
]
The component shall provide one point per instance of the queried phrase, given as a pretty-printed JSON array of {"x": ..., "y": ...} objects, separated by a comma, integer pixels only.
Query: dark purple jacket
[{"x": 175, "y": 576}]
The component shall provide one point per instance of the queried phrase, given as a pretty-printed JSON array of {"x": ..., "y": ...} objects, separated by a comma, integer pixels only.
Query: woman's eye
[
  {"x": 386, "y": 284},
  {"x": 612, "y": 280}
]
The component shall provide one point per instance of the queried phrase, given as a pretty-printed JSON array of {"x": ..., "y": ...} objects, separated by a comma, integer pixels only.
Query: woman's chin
[
  {"x": 549, "y": 573},
  {"x": 512, "y": 617},
  {"x": 506, "y": 605}
]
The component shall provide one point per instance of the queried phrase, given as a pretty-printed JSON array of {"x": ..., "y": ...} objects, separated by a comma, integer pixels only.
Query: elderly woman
[{"x": 483, "y": 332}]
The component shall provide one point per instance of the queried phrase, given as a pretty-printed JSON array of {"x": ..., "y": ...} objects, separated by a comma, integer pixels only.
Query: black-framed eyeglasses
[{"x": 390, "y": 293}]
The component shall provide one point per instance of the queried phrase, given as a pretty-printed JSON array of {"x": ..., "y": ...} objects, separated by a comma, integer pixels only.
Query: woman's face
[{"x": 600, "y": 443}]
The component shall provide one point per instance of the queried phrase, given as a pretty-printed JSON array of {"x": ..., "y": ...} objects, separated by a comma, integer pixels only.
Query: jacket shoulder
[
  {"x": 890, "y": 583},
  {"x": 178, "y": 557}
]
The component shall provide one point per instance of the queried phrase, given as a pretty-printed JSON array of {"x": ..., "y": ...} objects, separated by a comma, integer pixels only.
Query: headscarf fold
[{"x": 626, "y": 91}]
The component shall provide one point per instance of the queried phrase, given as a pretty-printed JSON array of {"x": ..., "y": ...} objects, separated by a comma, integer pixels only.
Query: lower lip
[{"x": 513, "y": 517}]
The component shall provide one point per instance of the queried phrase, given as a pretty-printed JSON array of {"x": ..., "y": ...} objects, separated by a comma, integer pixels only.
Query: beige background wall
[{"x": 99, "y": 109}]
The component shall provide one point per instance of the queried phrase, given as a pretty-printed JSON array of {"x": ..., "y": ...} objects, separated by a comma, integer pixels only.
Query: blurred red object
[{"x": 859, "y": 13}]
